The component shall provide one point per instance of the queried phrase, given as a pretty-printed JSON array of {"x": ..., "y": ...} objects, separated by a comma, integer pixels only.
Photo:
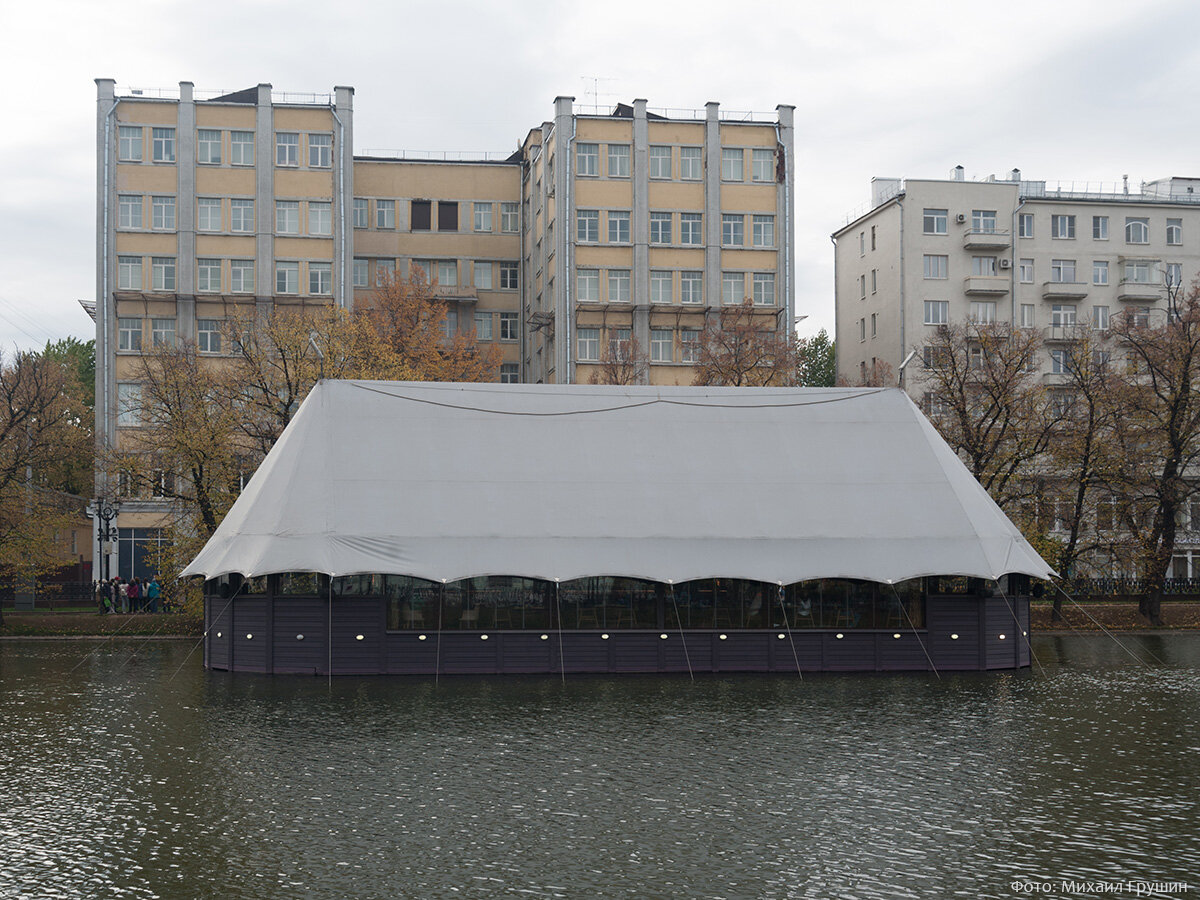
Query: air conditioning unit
[
  {"x": 1006, "y": 263},
  {"x": 960, "y": 218}
]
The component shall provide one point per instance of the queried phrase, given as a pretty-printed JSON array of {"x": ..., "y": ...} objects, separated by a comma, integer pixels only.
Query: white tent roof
[{"x": 447, "y": 481}]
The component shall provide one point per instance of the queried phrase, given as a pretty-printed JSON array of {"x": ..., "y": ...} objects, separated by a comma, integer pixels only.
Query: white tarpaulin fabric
[{"x": 447, "y": 481}]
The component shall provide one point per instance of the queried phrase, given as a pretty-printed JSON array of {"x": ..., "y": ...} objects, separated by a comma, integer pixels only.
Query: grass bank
[
  {"x": 83, "y": 624},
  {"x": 1178, "y": 615}
]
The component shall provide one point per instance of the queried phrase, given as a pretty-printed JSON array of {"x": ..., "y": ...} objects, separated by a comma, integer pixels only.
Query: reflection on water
[{"x": 117, "y": 780}]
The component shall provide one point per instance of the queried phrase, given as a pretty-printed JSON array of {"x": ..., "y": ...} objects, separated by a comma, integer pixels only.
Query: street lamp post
[{"x": 107, "y": 511}]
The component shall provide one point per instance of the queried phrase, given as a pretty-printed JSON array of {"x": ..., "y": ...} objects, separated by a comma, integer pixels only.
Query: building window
[
  {"x": 241, "y": 276},
  {"x": 1025, "y": 225},
  {"x": 874, "y": 280},
  {"x": 983, "y": 221},
  {"x": 447, "y": 215},
  {"x": 862, "y": 243},
  {"x": 1062, "y": 271},
  {"x": 983, "y": 265},
  {"x": 1062, "y": 228},
  {"x": 241, "y": 148},
  {"x": 508, "y": 217},
  {"x": 983, "y": 312},
  {"x": 936, "y": 266},
  {"x": 660, "y": 162},
  {"x": 361, "y": 217},
  {"x": 208, "y": 214},
  {"x": 762, "y": 165},
  {"x": 287, "y": 149},
  {"x": 1100, "y": 228},
  {"x": 509, "y": 373},
  {"x": 483, "y": 217},
  {"x": 874, "y": 324},
  {"x": 385, "y": 214},
  {"x": 208, "y": 335},
  {"x": 662, "y": 345},
  {"x": 661, "y": 286},
  {"x": 732, "y": 163},
  {"x": 1174, "y": 274},
  {"x": 483, "y": 326},
  {"x": 129, "y": 143},
  {"x": 691, "y": 228},
  {"x": 618, "y": 226},
  {"x": 1062, "y": 315},
  {"x": 320, "y": 218},
  {"x": 587, "y": 226},
  {"x": 447, "y": 272},
  {"x": 421, "y": 216},
  {"x": 689, "y": 344},
  {"x": 937, "y": 312},
  {"x": 208, "y": 147},
  {"x": 385, "y": 270},
  {"x": 1100, "y": 271},
  {"x": 1137, "y": 231},
  {"x": 129, "y": 405},
  {"x": 359, "y": 273},
  {"x": 691, "y": 163},
  {"x": 1027, "y": 315},
  {"x": 1100, "y": 318},
  {"x": 618, "y": 286},
  {"x": 1026, "y": 271},
  {"x": 483, "y": 275},
  {"x": 732, "y": 230},
  {"x": 319, "y": 151},
  {"x": 162, "y": 332},
  {"x": 588, "y": 345},
  {"x": 1139, "y": 271},
  {"x": 508, "y": 276},
  {"x": 872, "y": 237},
  {"x": 660, "y": 228},
  {"x": 162, "y": 213},
  {"x": 287, "y": 216},
  {"x": 129, "y": 334},
  {"x": 618, "y": 342},
  {"x": 587, "y": 159},
  {"x": 1175, "y": 231},
  {"x": 162, "y": 273},
  {"x": 450, "y": 324},
  {"x": 764, "y": 231},
  {"x": 862, "y": 286},
  {"x": 935, "y": 221},
  {"x": 862, "y": 336},
  {"x": 618, "y": 160},
  {"x": 508, "y": 326},
  {"x": 163, "y": 145},
  {"x": 587, "y": 285},
  {"x": 208, "y": 276},
  {"x": 320, "y": 278},
  {"x": 764, "y": 288},
  {"x": 241, "y": 216},
  {"x": 129, "y": 211},
  {"x": 691, "y": 287},
  {"x": 733, "y": 288},
  {"x": 1060, "y": 363},
  {"x": 287, "y": 277}
]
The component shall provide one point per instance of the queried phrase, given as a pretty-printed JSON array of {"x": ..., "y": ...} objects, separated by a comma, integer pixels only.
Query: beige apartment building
[{"x": 212, "y": 206}]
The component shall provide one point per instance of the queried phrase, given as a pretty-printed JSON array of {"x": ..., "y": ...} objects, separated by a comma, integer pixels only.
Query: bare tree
[
  {"x": 742, "y": 347},
  {"x": 622, "y": 362}
]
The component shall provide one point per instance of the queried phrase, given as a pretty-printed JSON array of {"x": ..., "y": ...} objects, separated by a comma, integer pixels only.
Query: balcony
[
  {"x": 986, "y": 239},
  {"x": 1056, "y": 379},
  {"x": 986, "y": 284},
  {"x": 1063, "y": 333},
  {"x": 1145, "y": 291},
  {"x": 1064, "y": 290}
]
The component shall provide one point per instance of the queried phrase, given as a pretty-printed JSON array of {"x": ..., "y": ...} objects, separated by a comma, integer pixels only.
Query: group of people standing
[{"x": 120, "y": 596}]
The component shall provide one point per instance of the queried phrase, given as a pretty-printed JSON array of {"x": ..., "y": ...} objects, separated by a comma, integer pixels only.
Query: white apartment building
[{"x": 934, "y": 251}]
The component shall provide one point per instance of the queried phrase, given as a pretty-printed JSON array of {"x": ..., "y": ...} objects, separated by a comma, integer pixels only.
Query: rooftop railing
[
  {"x": 280, "y": 97},
  {"x": 674, "y": 112},
  {"x": 440, "y": 155}
]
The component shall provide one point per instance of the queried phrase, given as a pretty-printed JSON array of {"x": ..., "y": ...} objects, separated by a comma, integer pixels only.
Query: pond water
[{"x": 128, "y": 770}]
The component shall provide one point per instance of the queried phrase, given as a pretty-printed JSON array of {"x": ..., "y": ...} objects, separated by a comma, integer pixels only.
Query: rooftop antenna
[{"x": 595, "y": 89}]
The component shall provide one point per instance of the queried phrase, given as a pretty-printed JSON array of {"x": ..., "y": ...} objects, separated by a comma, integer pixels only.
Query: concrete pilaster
[
  {"x": 264, "y": 196},
  {"x": 712, "y": 206},
  {"x": 640, "y": 326},
  {"x": 106, "y": 142},
  {"x": 185, "y": 214},
  {"x": 564, "y": 277},
  {"x": 785, "y": 203},
  {"x": 343, "y": 194}
]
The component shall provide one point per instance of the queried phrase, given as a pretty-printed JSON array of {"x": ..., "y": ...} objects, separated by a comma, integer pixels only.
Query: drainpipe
[
  {"x": 522, "y": 269},
  {"x": 903, "y": 317},
  {"x": 105, "y": 322}
]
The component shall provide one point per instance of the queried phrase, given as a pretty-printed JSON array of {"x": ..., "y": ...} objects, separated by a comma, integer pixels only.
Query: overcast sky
[{"x": 1065, "y": 90}]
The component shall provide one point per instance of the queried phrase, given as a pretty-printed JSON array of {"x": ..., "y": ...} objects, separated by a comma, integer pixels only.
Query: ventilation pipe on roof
[
  {"x": 1016, "y": 175},
  {"x": 958, "y": 173}
]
